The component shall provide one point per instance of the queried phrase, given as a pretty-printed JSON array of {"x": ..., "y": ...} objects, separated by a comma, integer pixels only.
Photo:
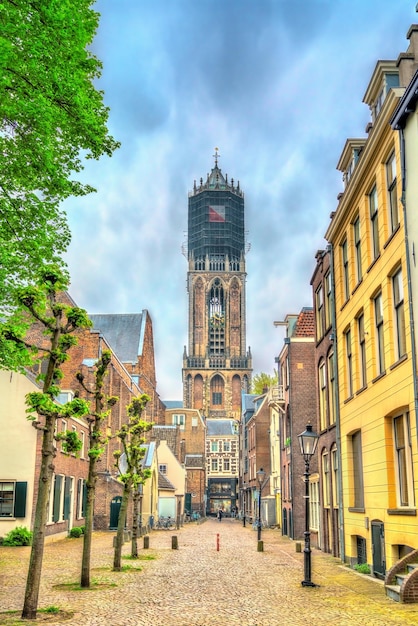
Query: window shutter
[
  {"x": 20, "y": 499},
  {"x": 57, "y": 498},
  {"x": 84, "y": 506}
]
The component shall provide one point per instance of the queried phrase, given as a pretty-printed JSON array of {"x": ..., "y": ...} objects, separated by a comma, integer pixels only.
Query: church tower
[{"x": 217, "y": 366}]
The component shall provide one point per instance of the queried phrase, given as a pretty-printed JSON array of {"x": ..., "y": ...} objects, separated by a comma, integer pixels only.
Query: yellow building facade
[{"x": 377, "y": 418}]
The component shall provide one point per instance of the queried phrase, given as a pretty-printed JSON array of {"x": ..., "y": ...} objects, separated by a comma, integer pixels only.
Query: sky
[{"x": 277, "y": 86}]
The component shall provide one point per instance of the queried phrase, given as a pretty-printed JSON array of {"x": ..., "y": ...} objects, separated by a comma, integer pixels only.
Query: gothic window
[
  {"x": 198, "y": 392},
  {"x": 236, "y": 392},
  {"x": 216, "y": 391},
  {"x": 217, "y": 318}
]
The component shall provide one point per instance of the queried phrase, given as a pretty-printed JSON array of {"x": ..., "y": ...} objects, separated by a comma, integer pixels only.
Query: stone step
[
  {"x": 393, "y": 591},
  {"x": 400, "y": 578},
  {"x": 411, "y": 566}
]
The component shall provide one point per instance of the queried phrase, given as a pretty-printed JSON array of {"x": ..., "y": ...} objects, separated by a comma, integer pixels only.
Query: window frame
[
  {"x": 392, "y": 191},
  {"x": 345, "y": 269},
  {"x": 357, "y": 247},
  {"x": 362, "y": 351},
  {"x": 374, "y": 222},
  {"x": 349, "y": 362},
  {"x": 379, "y": 333},
  {"x": 403, "y": 461},
  {"x": 399, "y": 314}
]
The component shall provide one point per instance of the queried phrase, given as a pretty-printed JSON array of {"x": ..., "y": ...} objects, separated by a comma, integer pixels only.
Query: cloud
[{"x": 277, "y": 85}]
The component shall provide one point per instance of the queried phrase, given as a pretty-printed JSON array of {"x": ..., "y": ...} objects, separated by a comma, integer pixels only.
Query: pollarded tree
[
  {"x": 133, "y": 474},
  {"x": 51, "y": 117},
  {"x": 97, "y": 442},
  {"x": 50, "y": 341}
]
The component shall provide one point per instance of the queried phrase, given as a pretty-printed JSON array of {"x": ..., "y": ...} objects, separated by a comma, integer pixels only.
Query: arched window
[
  {"x": 216, "y": 318},
  {"x": 198, "y": 392},
  {"x": 217, "y": 391}
]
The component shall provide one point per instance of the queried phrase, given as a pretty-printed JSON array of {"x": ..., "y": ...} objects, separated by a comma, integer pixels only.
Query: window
[
  {"x": 217, "y": 386},
  {"x": 58, "y": 499},
  {"x": 319, "y": 311},
  {"x": 349, "y": 362},
  {"x": 226, "y": 465},
  {"x": 331, "y": 388},
  {"x": 179, "y": 419},
  {"x": 326, "y": 479},
  {"x": 392, "y": 192},
  {"x": 357, "y": 470},
  {"x": 403, "y": 460},
  {"x": 374, "y": 222},
  {"x": 227, "y": 446},
  {"x": 214, "y": 446},
  {"x": 379, "y": 344},
  {"x": 346, "y": 277},
  {"x": 81, "y": 498},
  {"x": 162, "y": 468},
  {"x": 322, "y": 380},
  {"x": 13, "y": 499},
  {"x": 214, "y": 465},
  {"x": 398, "y": 303},
  {"x": 194, "y": 422},
  {"x": 63, "y": 430},
  {"x": 314, "y": 505},
  {"x": 362, "y": 351},
  {"x": 328, "y": 302},
  {"x": 335, "y": 483},
  {"x": 357, "y": 246},
  {"x": 83, "y": 444}
]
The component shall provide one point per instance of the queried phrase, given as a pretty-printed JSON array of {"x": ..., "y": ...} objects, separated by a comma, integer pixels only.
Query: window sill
[
  {"x": 391, "y": 236},
  {"x": 361, "y": 390},
  {"x": 353, "y": 509},
  {"x": 411, "y": 512},
  {"x": 373, "y": 263},
  {"x": 399, "y": 361},
  {"x": 357, "y": 286},
  {"x": 348, "y": 399},
  {"x": 7, "y": 518},
  {"x": 379, "y": 377}
]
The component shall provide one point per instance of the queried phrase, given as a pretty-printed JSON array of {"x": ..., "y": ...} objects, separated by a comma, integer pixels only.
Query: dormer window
[{"x": 385, "y": 77}]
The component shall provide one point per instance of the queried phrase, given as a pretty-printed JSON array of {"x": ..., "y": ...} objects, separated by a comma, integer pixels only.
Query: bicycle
[{"x": 165, "y": 523}]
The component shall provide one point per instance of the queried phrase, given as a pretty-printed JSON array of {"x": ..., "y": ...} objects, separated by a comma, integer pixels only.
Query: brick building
[
  {"x": 327, "y": 405},
  {"x": 296, "y": 368}
]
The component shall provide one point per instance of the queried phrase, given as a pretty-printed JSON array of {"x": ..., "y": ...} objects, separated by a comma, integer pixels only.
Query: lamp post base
[{"x": 308, "y": 583}]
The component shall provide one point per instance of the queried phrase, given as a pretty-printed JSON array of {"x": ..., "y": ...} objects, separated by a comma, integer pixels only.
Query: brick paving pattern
[{"x": 197, "y": 585}]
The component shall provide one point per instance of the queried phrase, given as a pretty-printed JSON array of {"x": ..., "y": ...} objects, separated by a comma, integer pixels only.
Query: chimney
[{"x": 408, "y": 61}]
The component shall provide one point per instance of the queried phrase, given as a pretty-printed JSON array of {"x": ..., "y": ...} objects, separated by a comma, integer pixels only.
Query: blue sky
[{"x": 277, "y": 86}]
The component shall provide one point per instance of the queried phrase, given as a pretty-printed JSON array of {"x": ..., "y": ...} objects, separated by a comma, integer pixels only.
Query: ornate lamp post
[
  {"x": 308, "y": 441},
  {"x": 260, "y": 478}
]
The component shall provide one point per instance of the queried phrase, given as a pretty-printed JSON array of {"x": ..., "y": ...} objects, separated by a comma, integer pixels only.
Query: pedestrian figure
[{"x": 220, "y": 515}]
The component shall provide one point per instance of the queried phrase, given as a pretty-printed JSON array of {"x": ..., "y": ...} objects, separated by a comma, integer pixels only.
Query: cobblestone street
[{"x": 198, "y": 585}]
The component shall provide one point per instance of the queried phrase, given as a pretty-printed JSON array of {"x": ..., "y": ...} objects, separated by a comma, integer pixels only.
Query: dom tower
[{"x": 217, "y": 366}]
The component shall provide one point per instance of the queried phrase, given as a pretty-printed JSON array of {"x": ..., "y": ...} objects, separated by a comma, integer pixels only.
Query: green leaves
[{"x": 51, "y": 118}]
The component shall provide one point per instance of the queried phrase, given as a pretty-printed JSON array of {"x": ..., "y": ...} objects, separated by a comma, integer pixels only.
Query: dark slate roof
[
  {"x": 164, "y": 483},
  {"x": 173, "y": 404},
  {"x": 169, "y": 434},
  {"x": 248, "y": 401},
  {"x": 124, "y": 332},
  {"x": 218, "y": 427},
  {"x": 305, "y": 325},
  {"x": 194, "y": 460}
]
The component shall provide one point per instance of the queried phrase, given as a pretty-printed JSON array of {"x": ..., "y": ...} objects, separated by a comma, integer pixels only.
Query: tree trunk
[
  {"x": 41, "y": 517},
  {"x": 121, "y": 527},
  {"x": 33, "y": 581},
  {"x": 88, "y": 530},
  {"x": 135, "y": 519}
]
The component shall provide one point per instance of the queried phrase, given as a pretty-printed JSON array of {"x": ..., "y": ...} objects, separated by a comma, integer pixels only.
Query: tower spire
[{"x": 216, "y": 156}]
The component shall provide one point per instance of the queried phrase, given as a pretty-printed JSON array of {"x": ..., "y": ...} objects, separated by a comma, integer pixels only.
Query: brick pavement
[{"x": 197, "y": 585}]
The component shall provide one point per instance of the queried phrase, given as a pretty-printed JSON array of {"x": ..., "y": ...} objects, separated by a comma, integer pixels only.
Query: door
[
  {"x": 114, "y": 512},
  {"x": 378, "y": 549}
]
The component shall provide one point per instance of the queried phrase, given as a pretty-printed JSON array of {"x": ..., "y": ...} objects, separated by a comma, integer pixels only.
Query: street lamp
[
  {"x": 260, "y": 477},
  {"x": 308, "y": 441}
]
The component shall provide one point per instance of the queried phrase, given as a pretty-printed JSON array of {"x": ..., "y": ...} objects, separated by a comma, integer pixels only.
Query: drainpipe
[
  {"x": 408, "y": 273},
  {"x": 330, "y": 248}
]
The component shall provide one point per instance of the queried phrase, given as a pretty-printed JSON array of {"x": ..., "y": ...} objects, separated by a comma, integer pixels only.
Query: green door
[{"x": 114, "y": 512}]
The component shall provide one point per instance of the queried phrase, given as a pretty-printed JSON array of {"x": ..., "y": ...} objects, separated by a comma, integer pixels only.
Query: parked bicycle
[{"x": 165, "y": 523}]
